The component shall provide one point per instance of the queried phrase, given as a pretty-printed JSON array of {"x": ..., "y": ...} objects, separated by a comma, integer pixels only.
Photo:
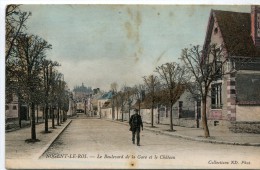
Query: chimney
[{"x": 255, "y": 24}]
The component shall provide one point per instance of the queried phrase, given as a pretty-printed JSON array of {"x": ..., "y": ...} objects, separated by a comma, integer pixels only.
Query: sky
[{"x": 101, "y": 44}]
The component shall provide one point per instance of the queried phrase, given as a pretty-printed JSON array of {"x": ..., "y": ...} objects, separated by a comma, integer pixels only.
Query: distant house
[
  {"x": 81, "y": 96},
  {"x": 184, "y": 113},
  {"x": 72, "y": 107},
  {"x": 106, "y": 110},
  {"x": 94, "y": 103},
  {"x": 11, "y": 109},
  {"x": 106, "y": 97},
  {"x": 235, "y": 97}
]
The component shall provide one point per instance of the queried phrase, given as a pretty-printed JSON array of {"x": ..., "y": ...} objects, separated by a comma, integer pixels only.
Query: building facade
[{"x": 235, "y": 96}]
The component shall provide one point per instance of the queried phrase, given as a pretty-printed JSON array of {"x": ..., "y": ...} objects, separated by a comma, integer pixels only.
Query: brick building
[{"x": 235, "y": 97}]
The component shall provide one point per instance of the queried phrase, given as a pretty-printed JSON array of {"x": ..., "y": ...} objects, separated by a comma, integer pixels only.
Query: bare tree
[
  {"x": 116, "y": 103},
  {"x": 204, "y": 66},
  {"x": 65, "y": 102},
  {"x": 152, "y": 85},
  {"x": 15, "y": 24},
  {"x": 113, "y": 88},
  {"x": 61, "y": 84},
  {"x": 60, "y": 96},
  {"x": 122, "y": 100},
  {"x": 139, "y": 91},
  {"x": 173, "y": 78},
  {"x": 31, "y": 50},
  {"x": 55, "y": 78},
  {"x": 48, "y": 66},
  {"x": 128, "y": 99}
]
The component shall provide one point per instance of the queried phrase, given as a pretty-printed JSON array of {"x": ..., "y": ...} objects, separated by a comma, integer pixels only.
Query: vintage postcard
[{"x": 132, "y": 86}]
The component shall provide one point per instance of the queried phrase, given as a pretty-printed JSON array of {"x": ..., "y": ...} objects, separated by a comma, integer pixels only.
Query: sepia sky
[{"x": 100, "y": 44}]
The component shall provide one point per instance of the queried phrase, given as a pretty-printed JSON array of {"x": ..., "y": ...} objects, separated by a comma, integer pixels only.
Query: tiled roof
[
  {"x": 236, "y": 32},
  {"x": 108, "y": 95}
]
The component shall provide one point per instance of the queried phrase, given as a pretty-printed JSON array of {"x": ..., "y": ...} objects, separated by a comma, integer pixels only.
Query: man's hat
[{"x": 136, "y": 110}]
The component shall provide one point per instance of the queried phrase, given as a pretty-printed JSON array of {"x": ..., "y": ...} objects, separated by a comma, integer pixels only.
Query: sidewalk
[
  {"x": 17, "y": 148},
  {"x": 217, "y": 134}
]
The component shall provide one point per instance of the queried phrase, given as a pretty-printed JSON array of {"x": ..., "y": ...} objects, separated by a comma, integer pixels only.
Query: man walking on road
[{"x": 136, "y": 123}]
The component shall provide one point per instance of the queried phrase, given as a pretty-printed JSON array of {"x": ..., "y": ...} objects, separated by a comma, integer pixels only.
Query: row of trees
[
  {"x": 29, "y": 74},
  {"x": 195, "y": 73},
  {"x": 164, "y": 88}
]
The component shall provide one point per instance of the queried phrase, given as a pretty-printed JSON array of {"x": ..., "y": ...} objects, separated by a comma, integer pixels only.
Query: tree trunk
[
  {"x": 33, "y": 128},
  {"x": 61, "y": 116},
  {"x": 139, "y": 107},
  {"x": 85, "y": 109},
  {"x": 64, "y": 115},
  {"x": 152, "y": 117},
  {"x": 46, "y": 109},
  {"x": 52, "y": 114},
  {"x": 100, "y": 112},
  {"x": 122, "y": 115},
  {"x": 171, "y": 123},
  {"x": 204, "y": 119},
  {"x": 113, "y": 113},
  {"x": 112, "y": 109},
  {"x": 117, "y": 113},
  {"x": 158, "y": 115},
  {"x": 43, "y": 114},
  {"x": 198, "y": 110},
  {"x": 37, "y": 114},
  {"x": 28, "y": 113},
  {"x": 19, "y": 114},
  {"x": 58, "y": 117},
  {"x": 129, "y": 113}
]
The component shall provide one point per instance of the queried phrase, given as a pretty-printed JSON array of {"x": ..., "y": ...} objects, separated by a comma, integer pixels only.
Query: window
[
  {"x": 14, "y": 107},
  {"x": 6, "y": 107},
  {"x": 180, "y": 106},
  {"x": 216, "y": 96},
  {"x": 216, "y": 30},
  {"x": 218, "y": 69}
]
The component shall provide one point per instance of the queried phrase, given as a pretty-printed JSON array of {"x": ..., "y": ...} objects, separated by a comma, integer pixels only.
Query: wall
[
  {"x": 146, "y": 115},
  {"x": 247, "y": 113},
  {"x": 100, "y": 105},
  {"x": 72, "y": 108},
  {"x": 11, "y": 111},
  {"x": 106, "y": 113},
  {"x": 222, "y": 113},
  {"x": 245, "y": 127},
  {"x": 180, "y": 117},
  {"x": 185, "y": 122},
  {"x": 188, "y": 106},
  {"x": 125, "y": 115}
]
